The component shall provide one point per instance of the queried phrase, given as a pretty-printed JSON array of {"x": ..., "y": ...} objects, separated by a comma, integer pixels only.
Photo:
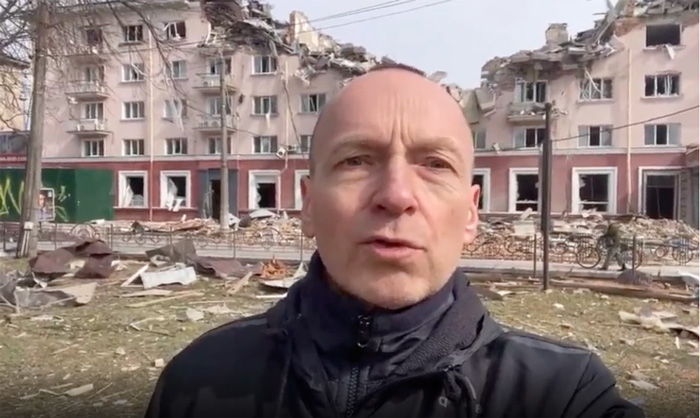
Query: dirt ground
[{"x": 120, "y": 350}]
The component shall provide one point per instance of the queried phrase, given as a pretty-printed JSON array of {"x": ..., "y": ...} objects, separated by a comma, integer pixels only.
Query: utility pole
[
  {"x": 223, "y": 194},
  {"x": 27, "y": 245},
  {"x": 546, "y": 191}
]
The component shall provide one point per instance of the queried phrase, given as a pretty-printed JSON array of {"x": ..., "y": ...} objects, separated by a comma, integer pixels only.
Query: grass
[{"x": 44, "y": 353}]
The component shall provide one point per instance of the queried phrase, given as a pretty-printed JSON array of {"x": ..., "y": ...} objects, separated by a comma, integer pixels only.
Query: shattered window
[
  {"x": 527, "y": 192},
  {"x": 93, "y": 74},
  {"x": 134, "y": 147},
  {"x": 214, "y": 145},
  {"x": 594, "y": 192},
  {"x": 174, "y": 190},
  {"x": 133, "y": 72},
  {"x": 663, "y": 35},
  {"x": 214, "y": 106},
  {"x": 175, "y": 108},
  {"x": 133, "y": 190},
  {"x": 176, "y": 146},
  {"x": 305, "y": 143},
  {"x": 662, "y": 134},
  {"x": 662, "y": 85},
  {"x": 312, "y": 103},
  {"x": 175, "y": 30},
  {"x": 133, "y": 33},
  {"x": 264, "y": 64},
  {"x": 595, "y": 136},
  {"x": 93, "y": 148},
  {"x": 479, "y": 137},
  {"x": 530, "y": 92},
  {"x": 529, "y": 137},
  {"x": 265, "y": 105},
  {"x": 214, "y": 66},
  {"x": 478, "y": 179},
  {"x": 595, "y": 89},
  {"x": 93, "y": 36},
  {"x": 264, "y": 144}
]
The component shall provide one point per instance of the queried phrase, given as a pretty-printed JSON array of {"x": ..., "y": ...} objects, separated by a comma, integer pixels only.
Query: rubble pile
[{"x": 562, "y": 53}]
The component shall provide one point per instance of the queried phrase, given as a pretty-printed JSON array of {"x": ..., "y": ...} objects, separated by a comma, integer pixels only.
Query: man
[
  {"x": 613, "y": 247},
  {"x": 383, "y": 325}
]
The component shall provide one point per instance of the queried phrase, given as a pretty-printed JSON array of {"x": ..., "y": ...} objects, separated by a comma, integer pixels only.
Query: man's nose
[{"x": 395, "y": 190}]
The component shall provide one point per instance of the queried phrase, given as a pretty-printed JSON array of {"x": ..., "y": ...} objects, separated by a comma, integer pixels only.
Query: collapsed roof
[{"x": 563, "y": 53}]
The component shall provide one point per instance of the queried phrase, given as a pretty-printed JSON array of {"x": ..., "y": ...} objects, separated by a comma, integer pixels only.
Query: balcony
[
  {"x": 212, "y": 123},
  {"x": 526, "y": 113},
  {"x": 89, "y": 127},
  {"x": 89, "y": 54},
  {"x": 211, "y": 84},
  {"x": 87, "y": 90}
]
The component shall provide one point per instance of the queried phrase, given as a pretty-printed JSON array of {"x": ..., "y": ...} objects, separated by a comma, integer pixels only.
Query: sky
[{"x": 457, "y": 36}]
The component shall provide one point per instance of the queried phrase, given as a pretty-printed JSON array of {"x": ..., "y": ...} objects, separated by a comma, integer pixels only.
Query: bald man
[{"x": 383, "y": 325}]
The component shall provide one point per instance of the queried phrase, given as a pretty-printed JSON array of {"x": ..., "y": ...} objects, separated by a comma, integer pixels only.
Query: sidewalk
[{"x": 512, "y": 267}]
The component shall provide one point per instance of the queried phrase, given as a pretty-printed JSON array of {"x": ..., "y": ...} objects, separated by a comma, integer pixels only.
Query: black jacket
[{"x": 318, "y": 353}]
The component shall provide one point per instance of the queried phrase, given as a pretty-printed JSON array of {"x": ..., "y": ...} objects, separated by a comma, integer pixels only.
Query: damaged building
[
  {"x": 147, "y": 105},
  {"x": 624, "y": 119}
]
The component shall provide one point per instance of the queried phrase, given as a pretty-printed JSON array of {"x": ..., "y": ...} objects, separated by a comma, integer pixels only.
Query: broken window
[
  {"x": 595, "y": 89},
  {"x": 305, "y": 143},
  {"x": 264, "y": 64},
  {"x": 214, "y": 145},
  {"x": 132, "y": 33},
  {"x": 662, "y": 85},
  {"x": 175, "y": 108},
  {"x": 594, "y": 192},
  {"x": 529, "y": 137},
  {"x": 133, "y": 190},
  {"x": 478, "y": 179},
  {"x": 133, "y": 72},
  {"x": 527, "y": 192},
  {"x": 93, "y": 74},
  {"x": 175, "y": 30},
  {"x": 663, "y": 35},
  {"x": 93, "y": 111},
  {"x": 93, "y": 36},
  {"x": 264, "y": 144},
  {"x": 265, "y": 105},
  {"x": 266, "y": 192},
  {"x": 178, "y": 69},
  {"x": 214, "y": 106},
  {"x": 595, "y": 136},
  {"x": 175, "y": 190},
  {"x": 214, "y": 66},
  {"x": 93, "y": 148},
  {"x": 134, "y": 147},
  {"x": 663, "y": 134},
  {"x": 176, "y": 146},
  {"x": 312, "y": 103},
  {"x": 660, "y": 195},
  {"x": 479, "y": 137},
  {"x": 530, "y": 92}
]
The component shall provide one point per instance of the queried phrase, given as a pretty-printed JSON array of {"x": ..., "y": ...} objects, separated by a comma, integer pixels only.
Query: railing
[
  {"x": 257, "y": 242},
  {"x": 86, "y": 87}
]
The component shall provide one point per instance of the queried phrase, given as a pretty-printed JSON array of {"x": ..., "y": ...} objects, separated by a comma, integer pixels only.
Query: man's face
[
  {"x": 390, "y": 201},
  {"x": 42, "y": 200}
]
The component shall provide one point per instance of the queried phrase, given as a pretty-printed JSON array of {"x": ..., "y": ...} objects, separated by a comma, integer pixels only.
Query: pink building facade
[
  {"x": 624, "y": 120},
  {"x": 149, "y": 109}
]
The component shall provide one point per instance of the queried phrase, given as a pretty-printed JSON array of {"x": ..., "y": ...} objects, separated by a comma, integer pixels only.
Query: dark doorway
[
  {"x": 215, "y": 198},
  {"x": 660, "y": 196},
  {"x": 268, "y": 195}
]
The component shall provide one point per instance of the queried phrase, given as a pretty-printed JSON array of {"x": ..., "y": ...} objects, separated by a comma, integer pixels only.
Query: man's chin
[{"x": 393, "y": 293}]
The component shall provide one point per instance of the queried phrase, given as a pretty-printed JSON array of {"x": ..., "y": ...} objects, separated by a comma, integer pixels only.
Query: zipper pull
[{"x": 364, "y": 323}]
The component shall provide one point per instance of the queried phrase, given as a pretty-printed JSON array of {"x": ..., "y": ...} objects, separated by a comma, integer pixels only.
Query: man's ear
[
  {"x": 471, "y": 228},
  {"x": 306, "y": 207}
]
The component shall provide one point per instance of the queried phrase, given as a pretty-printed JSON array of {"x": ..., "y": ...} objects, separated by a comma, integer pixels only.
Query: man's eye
[
  {"x": 437, "y": 164},
  {"x": 354, "y": 161}
]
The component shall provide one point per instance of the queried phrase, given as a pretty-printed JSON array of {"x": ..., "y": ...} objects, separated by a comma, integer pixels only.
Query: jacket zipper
[{"x": 364, "y": 323}]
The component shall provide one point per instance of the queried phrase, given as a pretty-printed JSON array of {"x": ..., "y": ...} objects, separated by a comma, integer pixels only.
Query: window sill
[
  {"x": 131, "y": 207},
  {"x": 309, "y": 113},
  {"x": 131, "y": 43},
  {"x": 663, "y": 146},
  {"x": 272, "y": 115},
  {"x": 263, "y": 74},
  {"x": 659, "y": 47},
  {"x": 595, "y": 147},
  {"x": 170, "y": 210},
  {"x": 133, "y": 119},
  {"x": 92, "y": 156},
  {"x": 132, "y": 81},
  {"x": 594, "y": 101},
  {"x": 661, "y": 98}
]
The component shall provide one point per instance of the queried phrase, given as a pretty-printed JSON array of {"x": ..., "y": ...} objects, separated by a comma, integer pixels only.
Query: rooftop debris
[{"x": 562, "y": 53}]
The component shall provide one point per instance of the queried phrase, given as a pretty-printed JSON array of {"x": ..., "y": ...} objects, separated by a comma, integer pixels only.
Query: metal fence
[{"x": 583, "y": 249}]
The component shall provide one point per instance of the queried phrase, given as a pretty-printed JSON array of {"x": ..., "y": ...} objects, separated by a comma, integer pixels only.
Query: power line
[{"x": 378, "y": 6}]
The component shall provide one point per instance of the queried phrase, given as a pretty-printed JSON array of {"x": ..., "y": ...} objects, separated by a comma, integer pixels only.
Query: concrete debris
[
  {"x": 658, "y": 321},
  {"x": 563, "y": 53},
  {"x": 176, "y": 274}
]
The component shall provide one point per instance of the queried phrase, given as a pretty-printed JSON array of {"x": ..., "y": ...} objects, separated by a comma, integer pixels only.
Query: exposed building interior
[
  {"x": 660, "y": 195},
  {"x": 594, "y": 192},
  {"x": 527, "y": 192}
]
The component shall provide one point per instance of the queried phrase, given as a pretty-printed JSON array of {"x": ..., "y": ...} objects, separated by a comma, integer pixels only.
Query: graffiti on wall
[{"x": 50, "y": 201}]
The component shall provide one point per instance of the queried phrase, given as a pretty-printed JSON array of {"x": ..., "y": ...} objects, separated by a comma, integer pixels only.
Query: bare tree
[{"x": 51, "y": 34}]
